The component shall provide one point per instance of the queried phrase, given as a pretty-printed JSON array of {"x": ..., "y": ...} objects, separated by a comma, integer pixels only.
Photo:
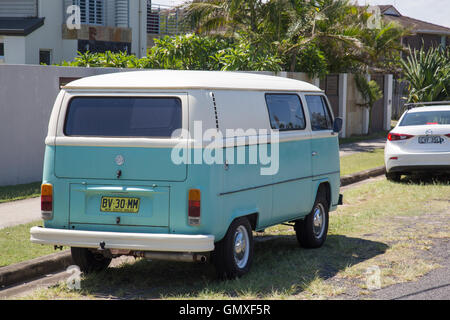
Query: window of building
[
  {"x": 319, "y": 113},
  {"x": 285, "y": 111},
  {"x": 2, "y": 50},
  {"x": 92, "y": 11},
  {"x": 45, "y": 57}
]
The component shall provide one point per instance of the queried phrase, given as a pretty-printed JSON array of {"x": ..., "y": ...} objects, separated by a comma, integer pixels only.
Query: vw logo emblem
[
  {"x": 429, "y": 132},
  {"x": 120, "y": 160}
]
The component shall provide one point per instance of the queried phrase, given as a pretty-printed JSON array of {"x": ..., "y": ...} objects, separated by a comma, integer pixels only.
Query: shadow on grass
[
  {"x": 427, "y": 179},
  {"x": 280, "y": 267}
]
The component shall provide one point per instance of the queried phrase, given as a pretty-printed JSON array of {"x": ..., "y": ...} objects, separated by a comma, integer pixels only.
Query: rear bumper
[
  {"x": 418, "y": 169},
  {"x": 417, "y": 162},
  {"x": 125, "y": 241}
]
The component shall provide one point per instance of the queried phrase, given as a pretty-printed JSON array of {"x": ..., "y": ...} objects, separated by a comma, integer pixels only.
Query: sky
[{"x": 434, "y": 11}]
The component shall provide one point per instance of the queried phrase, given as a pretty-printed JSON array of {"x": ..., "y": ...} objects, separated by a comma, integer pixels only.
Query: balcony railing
[{"x": 163, "y": 19}]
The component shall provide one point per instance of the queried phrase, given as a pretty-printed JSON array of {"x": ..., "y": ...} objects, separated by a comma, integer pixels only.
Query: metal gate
[{"x": 331, "y": 86}]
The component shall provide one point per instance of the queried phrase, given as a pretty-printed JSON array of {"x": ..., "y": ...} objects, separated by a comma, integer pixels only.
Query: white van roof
[{"x": 175, "y": 79}]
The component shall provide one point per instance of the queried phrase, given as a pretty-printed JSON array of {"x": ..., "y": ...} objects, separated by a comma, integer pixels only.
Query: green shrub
[{"x": 428, "y": 74}]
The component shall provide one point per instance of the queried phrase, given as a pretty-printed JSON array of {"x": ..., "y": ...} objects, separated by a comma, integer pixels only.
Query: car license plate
[
  {"x": 431, "y": 139},
  {"x": 114, "y": 204}
]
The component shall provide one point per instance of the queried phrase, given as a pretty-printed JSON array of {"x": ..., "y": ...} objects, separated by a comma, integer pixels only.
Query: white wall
[
  {"x": 15, "y": 49},
  {"x": 49, "y": 36},
  {"x": 27, "y": 97},
  {"x": 138, "y": 23}
]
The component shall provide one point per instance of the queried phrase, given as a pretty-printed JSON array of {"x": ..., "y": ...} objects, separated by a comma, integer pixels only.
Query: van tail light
[
  {"x": 194, "y": 212},
  {"x": 398, "y": 137},
  {"x": 47, "y": 201}
]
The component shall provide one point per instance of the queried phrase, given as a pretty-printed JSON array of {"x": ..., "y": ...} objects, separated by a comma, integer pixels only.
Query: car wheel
[
  {"x": 233, "y": 255},
  {"x": 89, "y": 261},
  {"x": 393, "y": 176},
  {"x": 312, "y": 231}
]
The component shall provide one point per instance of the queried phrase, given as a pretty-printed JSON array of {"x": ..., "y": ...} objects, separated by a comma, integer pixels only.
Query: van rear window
[{"x": 123, "y": 117}]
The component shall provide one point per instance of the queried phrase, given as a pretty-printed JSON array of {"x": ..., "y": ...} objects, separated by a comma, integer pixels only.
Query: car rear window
[
  {"x": 426, "y": 118},
  {"x": 123, "y": 117}
]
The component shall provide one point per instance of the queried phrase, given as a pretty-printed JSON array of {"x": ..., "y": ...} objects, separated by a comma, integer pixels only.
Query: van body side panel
[
  {"x": 60, "y": 192},
  {"x": 205, "y": 178},
  {"x": 292, "y": 185},
  {"x": 326, "y": 149}
]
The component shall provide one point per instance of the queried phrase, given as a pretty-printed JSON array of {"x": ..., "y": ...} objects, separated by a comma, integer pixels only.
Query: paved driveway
[
  {"x": 362, "y": 146},
  {"x": 19, "y": 212}
]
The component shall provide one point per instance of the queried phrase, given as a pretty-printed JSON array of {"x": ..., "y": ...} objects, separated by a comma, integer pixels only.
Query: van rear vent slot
[{"x": 215, "y": 109}]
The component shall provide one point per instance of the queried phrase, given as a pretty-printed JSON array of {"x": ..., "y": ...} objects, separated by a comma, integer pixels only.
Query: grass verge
[
  {"x": 20, "y": 192},
  {"x": 361, "y": 161},
  {"x": 391, "y": 226},
  {"x": 373, "y": 136},
  {"x": 15, "y": 245}
]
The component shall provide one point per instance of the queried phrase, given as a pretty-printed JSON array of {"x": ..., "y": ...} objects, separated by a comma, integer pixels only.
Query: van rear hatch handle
[{"x": 134, "y": 190}]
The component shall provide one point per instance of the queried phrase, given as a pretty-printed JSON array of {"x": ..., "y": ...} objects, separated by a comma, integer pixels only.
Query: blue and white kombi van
[{"x": 184, "y": 165}]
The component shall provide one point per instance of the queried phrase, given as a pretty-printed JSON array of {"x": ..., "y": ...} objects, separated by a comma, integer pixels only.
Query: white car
[{"x": 419, "y": 143}]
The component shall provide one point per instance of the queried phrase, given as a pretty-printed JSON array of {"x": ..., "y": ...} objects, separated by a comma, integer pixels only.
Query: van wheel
[
  {"x": 233, "y": 255},
  {"x": 312, "y": 231},
  {"x": 89, "y": 261}
]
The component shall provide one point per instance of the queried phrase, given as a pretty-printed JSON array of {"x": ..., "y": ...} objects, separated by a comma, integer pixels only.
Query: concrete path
[
  {"x": 435, "y": 285},
  {"x": 362, "y": 146},
  {"x": 19, "y": 212}
]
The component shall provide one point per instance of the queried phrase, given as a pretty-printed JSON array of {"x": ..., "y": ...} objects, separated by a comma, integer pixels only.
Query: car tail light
[
  {"x": 47, "y": 201},
  {"x": 398, "y": 137},
  {"x": 194, "y": 211}
]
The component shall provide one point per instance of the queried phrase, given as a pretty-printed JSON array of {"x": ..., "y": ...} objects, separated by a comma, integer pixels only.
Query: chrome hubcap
[
  {"x": 241, "y": 241},
  {"x": 319, "y": 221}
]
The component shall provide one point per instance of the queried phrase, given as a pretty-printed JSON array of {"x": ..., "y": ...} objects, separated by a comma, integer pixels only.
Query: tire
[
  {"x": 89, "y": 261},
  {"x": 233, "y": 255},
  {"x": 312, "y": 231},
  {"x": 394, "y": 177}
]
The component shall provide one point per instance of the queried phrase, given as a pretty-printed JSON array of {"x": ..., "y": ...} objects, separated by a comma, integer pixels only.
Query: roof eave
[{"x": 25, "y": 31}]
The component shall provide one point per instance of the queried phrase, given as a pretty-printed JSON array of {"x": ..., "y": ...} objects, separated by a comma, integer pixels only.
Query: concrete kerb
[
  {"x": 28, "y": 270},
  {"x": 363, "y": 175}
]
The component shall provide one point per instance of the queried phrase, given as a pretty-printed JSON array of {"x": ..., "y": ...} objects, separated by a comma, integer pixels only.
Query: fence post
[
  {"x": 388, "y": 89},
  {"x": 366, "y": 114},
  {"x": 343, "y": 82}
]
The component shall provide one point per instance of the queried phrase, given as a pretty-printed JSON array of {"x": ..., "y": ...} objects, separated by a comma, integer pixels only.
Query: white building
[{"x": 35, "y": 31}]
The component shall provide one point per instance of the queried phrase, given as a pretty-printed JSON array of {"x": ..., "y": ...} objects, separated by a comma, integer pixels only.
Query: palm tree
[
  {"x": 224, "y": 16},
  {"x": 383, "y": 47}
]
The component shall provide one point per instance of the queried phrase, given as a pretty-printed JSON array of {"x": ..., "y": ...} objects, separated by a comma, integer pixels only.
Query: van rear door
[{"x": 113, "y": 150}]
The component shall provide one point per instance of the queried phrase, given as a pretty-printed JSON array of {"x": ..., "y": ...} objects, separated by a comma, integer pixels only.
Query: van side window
[
  {"x": 123, "y": 117},
  {"x": 286, "y": 112},
  {"x": 319, "y": 113}
]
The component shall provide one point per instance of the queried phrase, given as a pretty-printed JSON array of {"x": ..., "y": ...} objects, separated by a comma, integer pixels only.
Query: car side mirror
[{"x": 337, "y": 126}]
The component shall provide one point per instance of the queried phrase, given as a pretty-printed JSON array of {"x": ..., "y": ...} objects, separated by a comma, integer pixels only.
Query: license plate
[
  {"x": 431, "y": 139},
  {"x": 115, "y": 204}
]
